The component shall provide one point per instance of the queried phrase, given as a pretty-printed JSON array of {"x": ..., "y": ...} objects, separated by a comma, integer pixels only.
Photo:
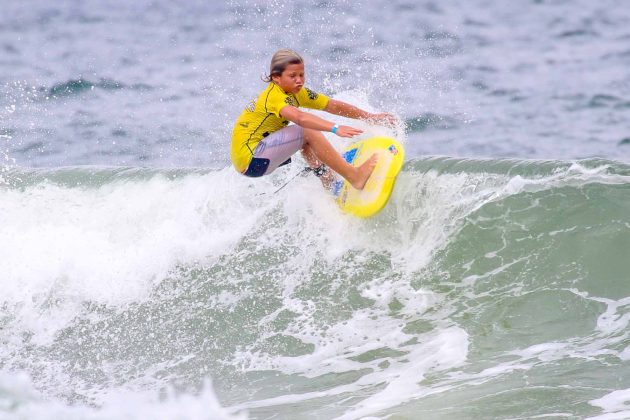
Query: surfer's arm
[
  {"x": 306, "y": 120},
  {"x": 344, "y": 109}
]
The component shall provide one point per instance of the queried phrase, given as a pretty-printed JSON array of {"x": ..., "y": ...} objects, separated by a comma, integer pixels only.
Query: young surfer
[{"x": 263, "y": 140}]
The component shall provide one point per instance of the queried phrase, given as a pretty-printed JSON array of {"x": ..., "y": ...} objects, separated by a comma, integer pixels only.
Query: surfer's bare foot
[{"x": 363, "y": 172}]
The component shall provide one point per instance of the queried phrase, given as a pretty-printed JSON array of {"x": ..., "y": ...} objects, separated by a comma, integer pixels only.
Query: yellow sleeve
[
  {"x": 275, "y": 100},
  {"x": 310, "y": 99}
]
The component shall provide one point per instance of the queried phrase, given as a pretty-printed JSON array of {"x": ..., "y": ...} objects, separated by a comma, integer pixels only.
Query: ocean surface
[{"x": 141, "y": 277}]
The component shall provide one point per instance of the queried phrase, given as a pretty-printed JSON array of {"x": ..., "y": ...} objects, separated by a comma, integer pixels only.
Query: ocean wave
[{"x": 476, "y": 272}]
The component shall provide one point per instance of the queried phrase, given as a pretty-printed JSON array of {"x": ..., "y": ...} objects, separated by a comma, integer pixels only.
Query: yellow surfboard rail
[{"x": 378, "y": 189}]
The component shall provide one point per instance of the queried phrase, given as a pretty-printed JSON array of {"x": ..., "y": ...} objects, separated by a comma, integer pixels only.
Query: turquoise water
[{"x": 142, "y": 277}]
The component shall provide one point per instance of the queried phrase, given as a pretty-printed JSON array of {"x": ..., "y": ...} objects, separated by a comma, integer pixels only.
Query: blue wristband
[{"x": 334, "y": 129}]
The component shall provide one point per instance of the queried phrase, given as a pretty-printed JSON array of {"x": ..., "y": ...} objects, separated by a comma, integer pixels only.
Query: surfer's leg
[
  {"x": 327, "y": 176},
  {"x": 325, "y": 152}
]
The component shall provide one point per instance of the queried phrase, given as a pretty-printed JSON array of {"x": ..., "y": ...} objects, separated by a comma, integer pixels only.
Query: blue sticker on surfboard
[{"x": 375, "y": 195}]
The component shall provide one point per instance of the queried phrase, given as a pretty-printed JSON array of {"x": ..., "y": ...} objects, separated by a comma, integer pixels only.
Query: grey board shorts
[{"x": 275, "y": 150}]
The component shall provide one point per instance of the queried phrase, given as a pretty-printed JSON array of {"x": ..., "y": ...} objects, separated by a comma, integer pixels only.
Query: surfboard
[{"x": 375, "y": 195}]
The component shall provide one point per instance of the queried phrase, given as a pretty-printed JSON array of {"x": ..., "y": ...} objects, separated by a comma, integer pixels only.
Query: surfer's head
[
  {"x": 281, "y": 61},
  {"x": 287, "y": 70}
]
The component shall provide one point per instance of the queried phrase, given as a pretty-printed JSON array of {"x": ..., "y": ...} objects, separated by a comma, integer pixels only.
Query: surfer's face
[{"x": 292, "y": 78}]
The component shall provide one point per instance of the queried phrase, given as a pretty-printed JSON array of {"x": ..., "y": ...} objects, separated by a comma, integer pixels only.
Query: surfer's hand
[
  {"x": 347, "y": 131},
  {"x": 384, "y": 118}
]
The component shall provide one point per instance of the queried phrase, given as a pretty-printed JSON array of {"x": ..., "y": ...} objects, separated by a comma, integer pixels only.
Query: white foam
[
  {"x": 442, "y": 352},
  {"x": 612, "y": 320},
  {"x": 616, "y": 405},
  {"x": 111, "y": 245},
  {"x": 20, "y": 400},
  {"x": 438, "y": 351}
]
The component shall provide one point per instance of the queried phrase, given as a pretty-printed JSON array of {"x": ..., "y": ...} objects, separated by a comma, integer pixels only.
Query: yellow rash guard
[{"x": 261, "y": 117}]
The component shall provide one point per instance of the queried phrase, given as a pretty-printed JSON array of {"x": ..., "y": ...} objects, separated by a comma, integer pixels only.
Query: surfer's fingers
[
  {"x": 386, "y": 118},
  {"x": 347, "y": 131}
]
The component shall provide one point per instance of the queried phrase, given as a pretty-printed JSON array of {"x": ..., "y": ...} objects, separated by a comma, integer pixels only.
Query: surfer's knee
[{"x": 311, "y": 135}]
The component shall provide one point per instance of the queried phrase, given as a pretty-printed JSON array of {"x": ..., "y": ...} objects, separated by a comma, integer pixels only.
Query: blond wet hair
[{"x": 280, "y": 60}]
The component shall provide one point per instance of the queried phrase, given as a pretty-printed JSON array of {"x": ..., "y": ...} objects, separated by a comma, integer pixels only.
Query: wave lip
[
  {"x": 78, "y": 86},
  {"x": 429, "y": 121}
]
